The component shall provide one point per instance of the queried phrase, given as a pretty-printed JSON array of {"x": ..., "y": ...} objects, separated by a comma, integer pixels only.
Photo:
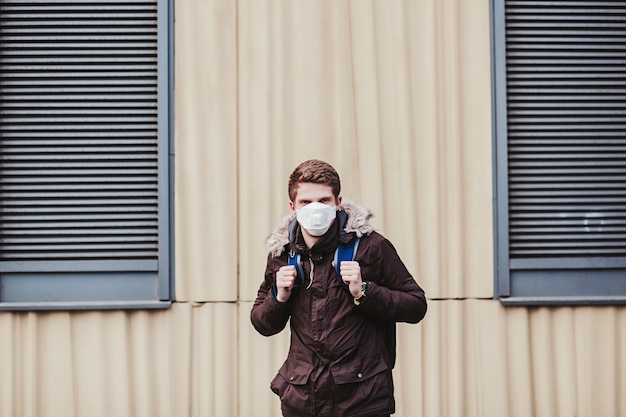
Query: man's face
[{"x": 308, "y": 192}]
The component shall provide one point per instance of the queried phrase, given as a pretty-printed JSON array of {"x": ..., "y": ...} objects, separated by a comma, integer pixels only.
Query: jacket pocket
[
  {"x": 364, "y": 385},
  {"x": 358, "y": 370},
  {"x": 291, "y": 385}
]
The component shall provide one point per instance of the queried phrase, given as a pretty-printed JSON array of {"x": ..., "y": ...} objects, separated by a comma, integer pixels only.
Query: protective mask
[{"x": 316, "y": 217}]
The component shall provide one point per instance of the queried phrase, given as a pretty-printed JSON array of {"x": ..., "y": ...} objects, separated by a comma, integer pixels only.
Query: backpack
[
  {"x": 344, "y": 252},
  {"x": 347, "y": 252}
]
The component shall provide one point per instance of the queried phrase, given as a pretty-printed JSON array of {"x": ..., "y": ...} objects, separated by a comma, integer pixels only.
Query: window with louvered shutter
[
  {"x": 84, "y": 154},
  {"x": 560, "y": 140}
]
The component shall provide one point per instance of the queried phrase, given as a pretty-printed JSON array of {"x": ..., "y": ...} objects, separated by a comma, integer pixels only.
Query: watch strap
[{"x": 359, "y": 299}]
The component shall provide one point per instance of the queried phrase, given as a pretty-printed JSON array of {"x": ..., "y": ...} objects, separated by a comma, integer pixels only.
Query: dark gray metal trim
[
  {"x": 562, "y": 301},
  {"x": 500, "y": 166},
  {"x": 164, "y": 130},
  {"x": 171, "y": 113},
  {"x": 77, "y": 266},
  {"x": 567, "y": 263},
  {"x": 83, "y": 305},
  {"x": 80, "y": 286}
]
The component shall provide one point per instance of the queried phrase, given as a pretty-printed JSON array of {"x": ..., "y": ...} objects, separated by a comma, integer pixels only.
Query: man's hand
[
  {"x": 285, "y": 278},
  {"x": 351, "y": 276}
]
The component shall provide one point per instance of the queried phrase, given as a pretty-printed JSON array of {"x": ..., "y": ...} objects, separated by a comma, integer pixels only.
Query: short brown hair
[{"x": 315, "y": 171}]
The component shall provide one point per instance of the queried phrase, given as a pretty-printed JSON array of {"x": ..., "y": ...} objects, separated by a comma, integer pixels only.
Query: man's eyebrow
[{"x": 324, "y": 197}]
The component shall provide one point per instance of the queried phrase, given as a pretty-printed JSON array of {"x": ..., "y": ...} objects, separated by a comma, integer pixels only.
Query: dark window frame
[
  {"x": 112, "y": 283},
  {"x": 538, "y": 280}
]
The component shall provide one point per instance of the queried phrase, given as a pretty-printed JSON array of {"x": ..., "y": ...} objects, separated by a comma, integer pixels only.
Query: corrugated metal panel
[
  {"x": 477, "y": 358},
  {"x": 259, "y": 361},
  {"x": 78, "y": 121},
  {"x": 393, "y": 95},
  {"x": 178, "y": 362},
  {"x": 206, "y": 151},
  {"x": 420, "y": 167},
  {"x": 566, "y": 73},
  {"x": 470, "y": 358}
]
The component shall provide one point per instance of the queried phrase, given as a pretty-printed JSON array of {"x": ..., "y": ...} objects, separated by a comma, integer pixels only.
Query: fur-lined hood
[{"x": 353, "y": 218}]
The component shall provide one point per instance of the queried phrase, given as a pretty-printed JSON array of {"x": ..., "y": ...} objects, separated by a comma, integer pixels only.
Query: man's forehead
[{"x": 310, "y": 189}]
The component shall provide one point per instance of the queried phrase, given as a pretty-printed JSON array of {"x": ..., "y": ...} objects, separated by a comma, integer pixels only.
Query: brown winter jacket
[{"x": 341, "y": 355}]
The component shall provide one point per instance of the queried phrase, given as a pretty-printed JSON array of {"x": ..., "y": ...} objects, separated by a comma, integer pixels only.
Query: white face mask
[{"x": 316, "y": 217}]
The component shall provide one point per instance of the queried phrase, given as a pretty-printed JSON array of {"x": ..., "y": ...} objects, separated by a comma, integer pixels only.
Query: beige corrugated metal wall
[{"x": 396, "y": 94}]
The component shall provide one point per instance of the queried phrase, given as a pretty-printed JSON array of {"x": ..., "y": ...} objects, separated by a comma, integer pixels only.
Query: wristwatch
[{"x": 357, "y": 300}]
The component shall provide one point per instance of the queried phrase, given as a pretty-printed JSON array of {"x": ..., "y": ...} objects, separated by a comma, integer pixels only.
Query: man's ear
[
  {"x": 292, "y": 207},
  {"x": 339, "y": 201}
]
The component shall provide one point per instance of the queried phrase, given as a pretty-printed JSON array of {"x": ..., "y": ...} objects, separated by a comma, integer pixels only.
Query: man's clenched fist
[
  {"x": 351, "y": 276},
  {"x": 285, "y": 278}
]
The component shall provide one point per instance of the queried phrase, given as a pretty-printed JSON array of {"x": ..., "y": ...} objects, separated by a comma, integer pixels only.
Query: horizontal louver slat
[
  {"x": 78, "y": 125},
  {"x": 566, "y": 94}
]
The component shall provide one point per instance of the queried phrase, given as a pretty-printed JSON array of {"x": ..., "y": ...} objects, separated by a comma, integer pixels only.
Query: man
[{"x": 342, "y": 323}]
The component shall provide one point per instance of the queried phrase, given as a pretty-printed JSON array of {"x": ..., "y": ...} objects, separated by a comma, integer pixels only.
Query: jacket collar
[{"x": 352, "y": 218}]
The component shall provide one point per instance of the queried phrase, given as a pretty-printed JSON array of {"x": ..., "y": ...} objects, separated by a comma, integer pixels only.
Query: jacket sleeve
[
  {"x": 393, "y": 295},
  {"x": 268, "y": 315}
]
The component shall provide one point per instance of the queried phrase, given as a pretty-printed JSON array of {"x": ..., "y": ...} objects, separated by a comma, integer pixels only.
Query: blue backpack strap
[
  {"x": 345, "y": 252},
  {"x": 294, "y": 259}
]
